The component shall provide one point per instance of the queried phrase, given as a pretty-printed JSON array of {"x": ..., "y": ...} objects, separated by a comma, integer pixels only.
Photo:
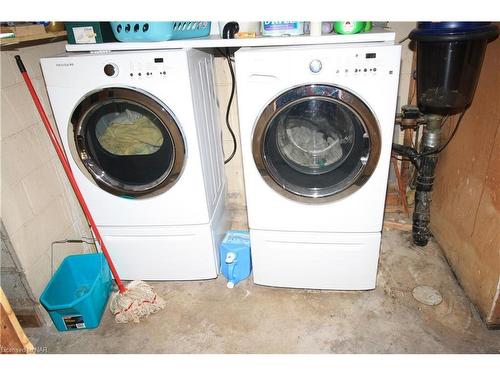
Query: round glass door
[
  {"x": 127, "y": 142},
  {"x": 316, "y": 143}
]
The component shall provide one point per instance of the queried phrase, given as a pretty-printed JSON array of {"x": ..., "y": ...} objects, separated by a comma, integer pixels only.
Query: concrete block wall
[{"x": 37, "y": 203}]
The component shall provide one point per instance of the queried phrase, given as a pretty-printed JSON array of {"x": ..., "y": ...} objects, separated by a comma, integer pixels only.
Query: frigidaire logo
[{"x": 65, "y": 64}]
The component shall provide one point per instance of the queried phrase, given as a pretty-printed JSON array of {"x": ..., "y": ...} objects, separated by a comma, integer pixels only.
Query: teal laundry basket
[
  {"x": 78, "y": 293},
  {"x": 146, "y": 31}
]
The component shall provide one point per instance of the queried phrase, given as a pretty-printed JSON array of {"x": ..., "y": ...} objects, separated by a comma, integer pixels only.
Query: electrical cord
[
  {"x": 446, "y": 118},
  {"x": 448, "y": 140},
  {"x": 231, "y": 97}
]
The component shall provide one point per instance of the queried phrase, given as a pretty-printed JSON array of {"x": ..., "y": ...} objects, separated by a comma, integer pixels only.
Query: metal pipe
[{"x": 431, "y": 137}]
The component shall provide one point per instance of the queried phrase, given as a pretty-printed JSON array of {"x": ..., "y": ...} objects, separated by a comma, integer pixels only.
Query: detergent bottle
[
  {"x": 351, "y": 27},
  {"x": 235, "y": 259}
]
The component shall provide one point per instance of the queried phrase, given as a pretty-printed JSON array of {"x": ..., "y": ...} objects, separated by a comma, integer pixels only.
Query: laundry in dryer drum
[{"x": 128, "y": 133}]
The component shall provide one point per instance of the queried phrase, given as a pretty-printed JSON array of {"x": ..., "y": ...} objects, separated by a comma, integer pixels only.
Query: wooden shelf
[{"x": 42, "y": 38}]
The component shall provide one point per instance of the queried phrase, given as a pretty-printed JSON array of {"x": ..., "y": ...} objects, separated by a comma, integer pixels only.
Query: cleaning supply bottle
[
  {"x": 235, "y": 259},
  {"x": 351, "y": 27},
  {"x": 279, "y": 28}
]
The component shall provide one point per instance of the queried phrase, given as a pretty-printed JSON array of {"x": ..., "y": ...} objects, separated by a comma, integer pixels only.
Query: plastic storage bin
[
  {"x": 159, "y": 31},
  {"x": 77, "y": 294},
  {"x": 236, "y": 263},
  {"x": 89, "y": 32}
]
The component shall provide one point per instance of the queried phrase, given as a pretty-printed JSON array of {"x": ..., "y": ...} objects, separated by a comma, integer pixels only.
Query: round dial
[
  {"x": 315, "y": 66},
  {"x": 110, "y": 70}
]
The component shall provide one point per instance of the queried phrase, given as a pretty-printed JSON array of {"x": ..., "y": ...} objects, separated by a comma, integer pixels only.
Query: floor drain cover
[{"x": 427, "y": 295}]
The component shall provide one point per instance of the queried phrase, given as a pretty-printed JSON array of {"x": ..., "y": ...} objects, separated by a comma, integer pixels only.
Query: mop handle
[{"x": 67, "y": 169}]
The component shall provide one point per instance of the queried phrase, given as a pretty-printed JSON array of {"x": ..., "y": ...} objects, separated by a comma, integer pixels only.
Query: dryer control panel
[
  {"x": 154, "y": 67},
  {"x": 138, "y": 69},
  {"x": 88, "y": 71}
]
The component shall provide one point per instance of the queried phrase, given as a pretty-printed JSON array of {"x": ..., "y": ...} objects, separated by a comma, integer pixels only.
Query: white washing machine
[
  {"x": 142, "y": 136},
  {"x": 316, "y": 132}
]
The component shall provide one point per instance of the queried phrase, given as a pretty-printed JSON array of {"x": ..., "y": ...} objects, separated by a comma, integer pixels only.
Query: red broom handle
[{"x": 69, "y": 173}]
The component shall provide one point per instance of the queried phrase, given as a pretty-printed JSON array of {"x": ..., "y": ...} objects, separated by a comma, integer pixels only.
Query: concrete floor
[{"x": 206, "y": 317}]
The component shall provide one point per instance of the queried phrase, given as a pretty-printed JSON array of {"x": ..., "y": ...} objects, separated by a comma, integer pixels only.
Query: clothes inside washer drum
[
  {"x": 308, "y": 145},
  {"x": 139, "y": 137}
]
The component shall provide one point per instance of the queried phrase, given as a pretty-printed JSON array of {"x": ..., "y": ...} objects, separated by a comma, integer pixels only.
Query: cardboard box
[{"x": 28, "y": 30}]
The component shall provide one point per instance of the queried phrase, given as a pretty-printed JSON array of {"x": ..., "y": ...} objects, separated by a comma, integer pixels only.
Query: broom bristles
[{"x": 139, "y": 301}]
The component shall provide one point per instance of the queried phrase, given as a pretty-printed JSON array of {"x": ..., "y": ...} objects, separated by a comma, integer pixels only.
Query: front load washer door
[
  {"x": 316, "y": 143},
  {"x": 127, "y": 142}
]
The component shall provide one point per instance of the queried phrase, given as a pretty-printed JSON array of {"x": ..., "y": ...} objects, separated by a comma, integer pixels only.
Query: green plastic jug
[{"x": 351, "y": 27}]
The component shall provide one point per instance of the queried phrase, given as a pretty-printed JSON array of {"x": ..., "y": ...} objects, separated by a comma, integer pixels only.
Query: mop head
[{"x": 139, "y": 301}]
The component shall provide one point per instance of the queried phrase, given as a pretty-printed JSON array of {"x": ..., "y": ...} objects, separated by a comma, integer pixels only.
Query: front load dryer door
[
  {"x": 127, "y": 142},
  {"x": 316, "y": 143}
]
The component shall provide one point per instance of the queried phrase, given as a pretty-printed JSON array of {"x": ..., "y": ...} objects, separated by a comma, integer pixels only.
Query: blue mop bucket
[{"x": 78, "y": 293}]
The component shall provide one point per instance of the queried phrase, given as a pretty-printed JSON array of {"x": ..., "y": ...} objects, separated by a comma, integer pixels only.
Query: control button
[
  {"x": 374, "y": 69},
  {"x": 127, "y": 28},
  {"x": 110, "y": 70},
  {"x": 365, "y": 70},
  {"x": 140, "y": 74},
  {"x": 119, "y": 27},
  {"x": 315, "y": 66},
  {"x": 145, "y": 27},
  {"x": 136, "y": 27},
  {"x": 131, "y": 74},
  {"x": 355, "y": 70}
]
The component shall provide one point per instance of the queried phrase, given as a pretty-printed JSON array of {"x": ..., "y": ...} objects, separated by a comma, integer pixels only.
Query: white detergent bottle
[{"x": 281, "y": 28}]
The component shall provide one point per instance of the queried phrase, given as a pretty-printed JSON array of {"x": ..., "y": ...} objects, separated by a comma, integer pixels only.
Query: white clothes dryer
[
  {"x": 316, "y": 128},
  {"x": 142, "y": 136}
]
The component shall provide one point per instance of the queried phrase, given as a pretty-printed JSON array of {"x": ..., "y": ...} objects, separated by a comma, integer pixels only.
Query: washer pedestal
[
  {"x": 180, "y": 252},
  {"x": 315, "y": 260}
]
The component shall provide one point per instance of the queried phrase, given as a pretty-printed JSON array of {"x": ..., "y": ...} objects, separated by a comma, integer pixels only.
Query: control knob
[
  {"x": 315, "y": 66},
  {"x": 110, "y": 70}
]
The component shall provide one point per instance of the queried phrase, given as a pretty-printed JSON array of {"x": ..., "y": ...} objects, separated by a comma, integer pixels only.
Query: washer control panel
[{"x": 355, "y": 64}]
